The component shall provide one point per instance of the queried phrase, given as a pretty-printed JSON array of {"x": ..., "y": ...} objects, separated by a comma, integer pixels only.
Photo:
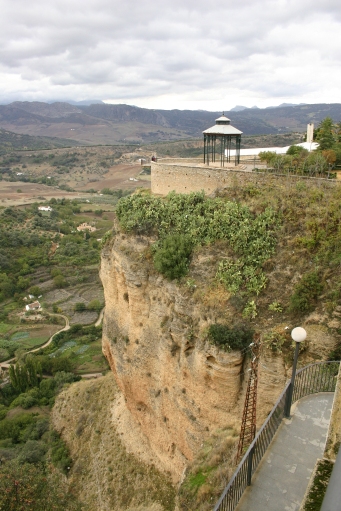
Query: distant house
[
  {"x": 45, "y": 208},
  {"x": 35, "y": 306},
  {"x": 86, "y": 227}
]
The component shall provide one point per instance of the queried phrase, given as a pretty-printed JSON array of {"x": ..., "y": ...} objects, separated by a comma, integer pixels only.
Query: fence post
[
  {"x": 249, "y": 466},
  {"x": 301, "y": 336},
  {"x": 288, "y": 399}
]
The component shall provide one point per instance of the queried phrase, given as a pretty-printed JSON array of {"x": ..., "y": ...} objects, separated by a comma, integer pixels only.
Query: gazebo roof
[
  {"x": 222, "y": 127},
  {"x": 222, "y": 120}
]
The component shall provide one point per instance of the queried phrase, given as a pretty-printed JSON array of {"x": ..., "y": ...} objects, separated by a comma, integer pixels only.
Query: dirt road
[{"x": 7, "y": 363}]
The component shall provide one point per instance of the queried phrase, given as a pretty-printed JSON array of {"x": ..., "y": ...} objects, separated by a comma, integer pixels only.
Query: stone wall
[{"x": 166, "y": 177}]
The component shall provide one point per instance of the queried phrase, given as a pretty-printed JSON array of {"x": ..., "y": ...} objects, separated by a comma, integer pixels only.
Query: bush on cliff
[
  {"x": 235, "y": 338},
  {"x": 306, "y": 293},
  {"x": 173, "y": 255},
  {"x": 202, "y": 221}
]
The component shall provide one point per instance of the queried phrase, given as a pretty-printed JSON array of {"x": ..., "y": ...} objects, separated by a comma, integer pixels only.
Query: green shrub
[
  {"x": 32, "y": 452},
  {"x": 275, "y": 307},
  {"x": 14, "y": 428},
  {"x": 320, "y": 482},
  {"x": 250, "y": 310},
  {"x": 3, "y": 411},
  {"x": 335, "y": 354},
  {"x": 4, "y": 354},
  {"x": 201, "y": 221},
  {"x": 35, "y": 290},
  {"x": 95, "y": 305},
  {"x": 235, "y": 338},
  {"x": 59, "y": 453},
  {"x": 59, "y": 282},
  {"x": 36, "y": 430},
  {"x": 25, "y": 400},
  {"x": 297, "y": 150},
  {"x": 306, "y": 293},
  {"x": 172, "y": 257},
  {"x": 79, "y": 307}
]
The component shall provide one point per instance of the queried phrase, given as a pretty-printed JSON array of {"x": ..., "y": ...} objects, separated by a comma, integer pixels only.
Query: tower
[{"x": 310, "y": 133}]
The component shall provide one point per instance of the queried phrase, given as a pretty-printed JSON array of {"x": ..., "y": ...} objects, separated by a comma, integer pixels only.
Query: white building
[{"x": 35, "y": 306}]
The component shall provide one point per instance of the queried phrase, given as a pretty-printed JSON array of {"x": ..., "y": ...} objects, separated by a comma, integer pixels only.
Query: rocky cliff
[{"x": 178, "y": 387}]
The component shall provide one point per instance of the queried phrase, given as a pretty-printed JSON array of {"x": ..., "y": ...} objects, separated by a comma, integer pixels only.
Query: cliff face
[{"x": 177, "y": 387}]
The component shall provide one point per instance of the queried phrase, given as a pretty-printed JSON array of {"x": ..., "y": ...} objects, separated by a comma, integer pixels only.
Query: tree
[
  {"x": 35, "y": 290},
  {"x": 79, "y": 307},
  {"x": 59, "y": 281},
  {"x": 7, "y": 287},
  {"x": 330, "y": 156},
  {"x": 324, "y": 134},
  {"x": 23, "y": 283},
  {"x": 267, "y": 156},
  {"x": 296, "y": 150},
  {"x": 25, "y": 376},
  {"x": 95, "y": 305}
]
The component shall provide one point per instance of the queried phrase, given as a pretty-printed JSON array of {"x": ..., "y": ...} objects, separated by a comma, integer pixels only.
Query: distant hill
[
  {"x": 100, "y": 123},
  {"x": 10, "y": 141}
]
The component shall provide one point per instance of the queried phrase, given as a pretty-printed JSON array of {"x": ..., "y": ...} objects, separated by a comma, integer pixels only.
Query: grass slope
[{"x": 103, "y": 472}]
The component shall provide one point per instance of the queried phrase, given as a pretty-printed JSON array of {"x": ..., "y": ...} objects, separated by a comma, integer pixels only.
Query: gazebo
[{"x": 226, "y": 133}]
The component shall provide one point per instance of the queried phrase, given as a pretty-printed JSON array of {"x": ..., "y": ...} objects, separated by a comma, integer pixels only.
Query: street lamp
[{"x": 298, "y": 334}]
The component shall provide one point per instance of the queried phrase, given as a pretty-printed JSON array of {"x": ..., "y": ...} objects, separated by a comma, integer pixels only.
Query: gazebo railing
[{"x": 319, "y": 377}]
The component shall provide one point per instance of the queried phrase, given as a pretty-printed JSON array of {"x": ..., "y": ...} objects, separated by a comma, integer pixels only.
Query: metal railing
[{"x": 319, "y": 377}]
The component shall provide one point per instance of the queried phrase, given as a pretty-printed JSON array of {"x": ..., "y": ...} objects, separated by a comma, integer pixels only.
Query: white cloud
[{"x": 179, "y": 54}]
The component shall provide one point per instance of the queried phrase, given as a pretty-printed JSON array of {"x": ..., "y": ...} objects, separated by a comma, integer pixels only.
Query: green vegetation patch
[
  {"x": 31, "y": 487},
  {"x": 25, "y": 435},
  {"x": 318, "y": 488},
  {"x": 182, "y": 222},
  {"x": 4, "y": 328},
  {"x": 306, "y": 292},
  {"x": 78, "y": 349},
  {"x": 173, "y": 256},
  {"x": 227, "y": 338},
  {"x": 20, "y": 335},
  {"x": 210, "y": 471}
]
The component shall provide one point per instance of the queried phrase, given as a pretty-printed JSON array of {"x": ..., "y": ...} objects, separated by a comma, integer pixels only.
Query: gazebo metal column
[
  {"x": 237, "y": 155},
  {"x": 228, "y": 148},
  {"x": 210, "y": 148}
]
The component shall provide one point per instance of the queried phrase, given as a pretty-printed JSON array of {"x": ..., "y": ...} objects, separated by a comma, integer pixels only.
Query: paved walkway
[{"x": 281, "y": 479}]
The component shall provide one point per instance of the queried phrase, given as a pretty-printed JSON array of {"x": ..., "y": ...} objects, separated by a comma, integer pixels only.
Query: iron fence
[
  {"x": 319, "y": 377},
  {"x": 315, "y": 378}
]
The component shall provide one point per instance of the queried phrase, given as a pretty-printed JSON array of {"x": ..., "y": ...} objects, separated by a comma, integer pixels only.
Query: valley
[{"x": 185, "y": 280}]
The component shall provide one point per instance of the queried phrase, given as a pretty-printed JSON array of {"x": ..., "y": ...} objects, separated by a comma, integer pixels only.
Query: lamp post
[{"x": 298, "y": 334}]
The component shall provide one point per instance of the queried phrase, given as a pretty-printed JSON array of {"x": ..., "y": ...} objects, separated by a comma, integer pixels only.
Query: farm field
[
  {"x": 14, "y": 337},
  {"x": 83, "y": 188},
  {"x": 45, "y": 258},
  {"x": 83, "y": 172}
]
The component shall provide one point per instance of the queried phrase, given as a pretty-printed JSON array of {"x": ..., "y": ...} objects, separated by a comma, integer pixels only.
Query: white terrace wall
[{"x": 166, "y": 177}]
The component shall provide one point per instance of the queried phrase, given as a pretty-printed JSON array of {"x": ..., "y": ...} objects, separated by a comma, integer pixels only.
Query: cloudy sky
[{"x": 186, "y": 54}]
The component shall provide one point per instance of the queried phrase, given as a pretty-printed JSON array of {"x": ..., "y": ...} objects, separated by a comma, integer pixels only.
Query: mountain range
[{"x": 102, "y": 123}]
